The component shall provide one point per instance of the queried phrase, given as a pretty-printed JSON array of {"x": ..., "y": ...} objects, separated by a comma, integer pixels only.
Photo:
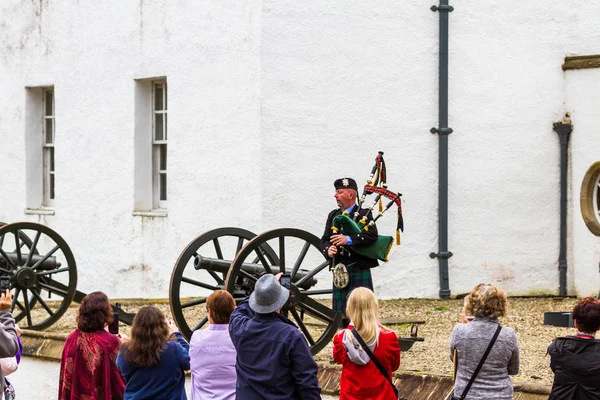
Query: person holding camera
[
  {"x": 87, "y": 367},
  {"x": 9, "y": 345},
  {"x": 154, "y": 360},
  {"x": 485, "y": 352},
  {"x": 10, "y": 365},
  {"x": 575, "y": 359},
  {"x": 273, "y": 358},
  {"x": 212, "y": 355}
]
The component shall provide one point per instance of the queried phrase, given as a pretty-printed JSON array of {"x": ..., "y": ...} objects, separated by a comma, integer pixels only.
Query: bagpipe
[{"x": 376, "y": 185}]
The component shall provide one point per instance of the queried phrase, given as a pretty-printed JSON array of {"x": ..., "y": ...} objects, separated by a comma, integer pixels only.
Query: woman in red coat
[{"x": 360, "y": 377}]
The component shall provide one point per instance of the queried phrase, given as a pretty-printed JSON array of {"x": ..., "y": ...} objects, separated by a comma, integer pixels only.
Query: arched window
[{"x": 590, "y": 198}]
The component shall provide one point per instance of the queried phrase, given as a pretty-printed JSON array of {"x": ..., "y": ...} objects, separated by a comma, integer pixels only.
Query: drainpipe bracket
[
  {"x": 440, "y": 8},
  {"x": 563, "y": 130},
  {"x": 441, "y": 131},
  {"x": 443, "y": 254}
]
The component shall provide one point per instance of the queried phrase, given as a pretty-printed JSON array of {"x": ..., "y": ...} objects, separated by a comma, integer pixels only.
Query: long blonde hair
[{"x": 363, "y": 310}]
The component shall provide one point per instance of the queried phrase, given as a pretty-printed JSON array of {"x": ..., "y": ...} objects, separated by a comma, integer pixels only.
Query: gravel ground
[{"x": 525, "y": 315}]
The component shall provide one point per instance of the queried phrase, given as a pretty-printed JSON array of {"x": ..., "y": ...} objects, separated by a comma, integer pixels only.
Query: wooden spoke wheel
[
  {"x": 201, "y": 269},
  {"x": 298, "y": 253},
  {"x": 25, "y": 242},
  {"x": 38, "y": 269}
]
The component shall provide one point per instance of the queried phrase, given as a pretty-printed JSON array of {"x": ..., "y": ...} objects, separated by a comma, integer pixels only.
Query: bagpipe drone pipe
[{"x": 376, "y": 185}]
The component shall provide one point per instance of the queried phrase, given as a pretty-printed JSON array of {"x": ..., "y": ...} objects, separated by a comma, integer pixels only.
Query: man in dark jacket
[
  {"x": 273, "y": 358},
  {"x": 339, "y": 246}
]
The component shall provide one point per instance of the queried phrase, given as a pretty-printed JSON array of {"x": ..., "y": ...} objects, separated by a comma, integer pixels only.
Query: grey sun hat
[{"x": 268, "y": 296}]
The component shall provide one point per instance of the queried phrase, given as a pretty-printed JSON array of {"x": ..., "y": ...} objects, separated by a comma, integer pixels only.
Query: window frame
[
  {"x": 159, "y": 146},
  {"x": 48, "y": 150},
  {"x": 589, "y": 201},
  {"x": 595, "y": 202}
]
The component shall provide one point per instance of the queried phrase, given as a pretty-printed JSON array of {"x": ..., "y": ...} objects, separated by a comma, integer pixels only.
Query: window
[
  {"x": 159, "y": 144},
  {"x": 150, "y": 147},
  {"x": 40, "y": 128},
  {"x": 590, "y": 198},
  {"x": 48, "y": 129}
]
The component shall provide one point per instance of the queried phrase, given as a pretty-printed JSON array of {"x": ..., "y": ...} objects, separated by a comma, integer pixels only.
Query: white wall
[{"x": 270, "y": 101}]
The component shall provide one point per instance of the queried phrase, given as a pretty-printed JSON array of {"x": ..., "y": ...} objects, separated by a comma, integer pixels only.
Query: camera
[
  {"x": 4, "y": 283},
  {"x": 114, "y": 325},
  {"x": 286, "y": 281}
]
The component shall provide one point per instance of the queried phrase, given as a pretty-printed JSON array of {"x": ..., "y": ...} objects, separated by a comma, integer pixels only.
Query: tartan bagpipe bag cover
[{"x": 378, "y": 250}]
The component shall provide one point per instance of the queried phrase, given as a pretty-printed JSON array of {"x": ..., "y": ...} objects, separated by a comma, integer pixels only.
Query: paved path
[{"x": 37, "y": 379}]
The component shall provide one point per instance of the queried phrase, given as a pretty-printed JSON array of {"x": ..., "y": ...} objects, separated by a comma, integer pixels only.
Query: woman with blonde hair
[
  {"x": 368, "y": 352},
  {"x": 153, "y": 362},
  {"x": 486, "y": 352}
]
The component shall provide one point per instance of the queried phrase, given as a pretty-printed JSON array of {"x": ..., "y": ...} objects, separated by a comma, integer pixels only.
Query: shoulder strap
[
  {"x": 380, "y": 367},
  {"x": 487, "y": 351}
]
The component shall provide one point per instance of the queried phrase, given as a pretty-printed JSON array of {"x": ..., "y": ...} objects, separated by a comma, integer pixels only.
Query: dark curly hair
[
  {"x": 487, "y": 301},
  {"x": 221, "y": 305},
  {"x": 94, "y": 312},
  {"x": 587, "y": 315},
  {"x": 149, "y": 336}
]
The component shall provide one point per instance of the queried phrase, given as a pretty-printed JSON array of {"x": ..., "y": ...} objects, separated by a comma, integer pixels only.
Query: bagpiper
[{"x": 351, "y": 240}]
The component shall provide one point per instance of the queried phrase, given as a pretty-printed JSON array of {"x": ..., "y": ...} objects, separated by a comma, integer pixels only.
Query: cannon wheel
[
  {"x": 304, "y": 299},
  {"x": 29, "y": 281},
  {"x": 212, "y": 243},
  {"x": 25, "y": 241}
]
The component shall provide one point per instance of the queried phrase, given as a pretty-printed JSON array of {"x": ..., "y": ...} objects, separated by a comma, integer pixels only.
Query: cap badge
[{"x": 345, "y": 182}]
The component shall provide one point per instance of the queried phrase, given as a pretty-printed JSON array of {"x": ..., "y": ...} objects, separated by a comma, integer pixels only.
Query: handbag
[
  {"x": 380, "y": 367},
  {"x": 9, "y": 390},
  {"x": 487, "y": 351}
]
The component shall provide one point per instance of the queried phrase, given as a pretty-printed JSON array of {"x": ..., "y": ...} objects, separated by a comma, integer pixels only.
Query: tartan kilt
[{"x": 358, "y": 278}]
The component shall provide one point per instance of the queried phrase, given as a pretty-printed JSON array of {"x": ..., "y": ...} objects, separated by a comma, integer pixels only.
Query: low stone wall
[
  {"x": 43, "y": 344},
  {"x": 410, "y": 386},
  {"x": 416, "y": 386}
]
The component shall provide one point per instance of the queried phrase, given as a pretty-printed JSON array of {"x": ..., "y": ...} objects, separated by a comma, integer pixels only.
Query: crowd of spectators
[{"x": 252, "y": 351}]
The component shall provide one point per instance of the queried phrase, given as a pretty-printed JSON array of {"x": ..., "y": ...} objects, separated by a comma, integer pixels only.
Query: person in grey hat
[{"x": 273, "y": 358}]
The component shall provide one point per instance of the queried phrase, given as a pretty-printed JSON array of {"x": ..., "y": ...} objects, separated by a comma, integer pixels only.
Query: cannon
[
  {"x": 233, "y": 259},
  {"x": 43, "y": 274}
]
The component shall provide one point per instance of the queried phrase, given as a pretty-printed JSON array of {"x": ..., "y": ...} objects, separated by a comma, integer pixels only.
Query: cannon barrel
[
  {"x": 47, "y": 264},
  {"x": 222, "y": 266}
]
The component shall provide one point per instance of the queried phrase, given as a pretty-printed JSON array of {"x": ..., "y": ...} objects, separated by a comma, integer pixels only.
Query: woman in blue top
[{"x": 153, "y": 361}]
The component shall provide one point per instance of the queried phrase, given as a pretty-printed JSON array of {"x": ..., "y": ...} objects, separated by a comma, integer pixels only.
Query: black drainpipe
[
  {"x": 563, "y": 129},
  {"x": 443, "y": 131}
]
